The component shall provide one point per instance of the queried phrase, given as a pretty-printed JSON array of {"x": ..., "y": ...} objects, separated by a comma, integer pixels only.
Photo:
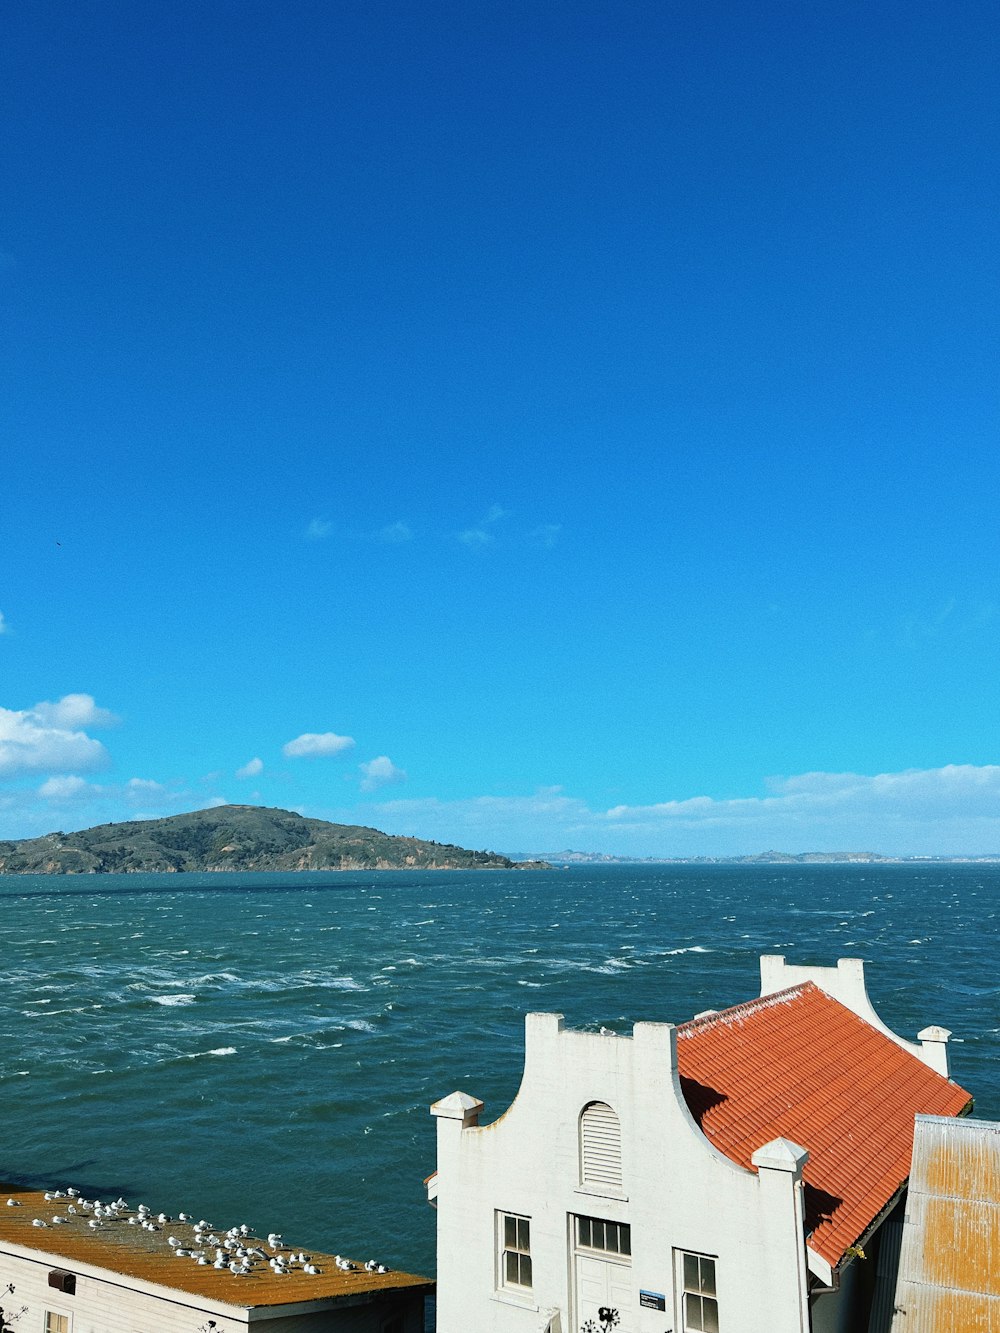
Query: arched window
[{"x": 600, "y": 1147}]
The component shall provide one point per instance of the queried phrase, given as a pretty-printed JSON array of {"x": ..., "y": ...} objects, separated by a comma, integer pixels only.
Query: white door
[{"x": 603, "y": 1284}]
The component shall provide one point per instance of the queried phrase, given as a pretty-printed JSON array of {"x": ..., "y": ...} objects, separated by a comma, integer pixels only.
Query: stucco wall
[{"x": 678, "y": 1193}]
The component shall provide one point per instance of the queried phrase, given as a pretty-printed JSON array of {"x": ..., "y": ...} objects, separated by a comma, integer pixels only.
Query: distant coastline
[{"x": 568, "y": 858}]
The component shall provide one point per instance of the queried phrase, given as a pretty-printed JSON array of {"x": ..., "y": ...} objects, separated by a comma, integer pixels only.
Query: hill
[{"x": 233, "y": 837}]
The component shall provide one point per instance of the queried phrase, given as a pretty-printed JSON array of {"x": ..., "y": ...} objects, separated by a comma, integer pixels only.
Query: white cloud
[
  {"x": 394, "y": 534},
  {"x": 144, "y": 787},
  {"x": 312, "y": 744},
  {"x": 951, "y": 810},
  {"x": 380, "y": 772},
  {"x": 251, "y": 769},
  {"x": 73, "y": 711},
  {"x": 318, "y": 529},
  {"x": 495, "y": 513},
  {"x": 215, "y": 802},
  {"x": 4, "y": 627},
  {"x": 48, "y": 738},
  {"x": 61, "y": 791}
]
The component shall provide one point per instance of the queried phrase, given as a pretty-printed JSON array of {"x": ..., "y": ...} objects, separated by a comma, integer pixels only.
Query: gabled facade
[{"x": 712, "y": 1178}]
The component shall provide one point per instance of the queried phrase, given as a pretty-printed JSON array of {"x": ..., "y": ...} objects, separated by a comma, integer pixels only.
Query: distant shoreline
[{"x": 568, "y": 858}]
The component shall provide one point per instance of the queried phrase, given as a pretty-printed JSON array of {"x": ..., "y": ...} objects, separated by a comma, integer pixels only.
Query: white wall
[{"x": 679, "y": 1192}]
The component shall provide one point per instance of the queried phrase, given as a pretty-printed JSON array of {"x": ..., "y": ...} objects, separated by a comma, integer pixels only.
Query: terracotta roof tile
[{"x": 799, "y": 1065}]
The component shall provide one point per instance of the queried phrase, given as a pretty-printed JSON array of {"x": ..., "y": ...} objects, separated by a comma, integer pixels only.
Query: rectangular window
[
  {"x": 515, "y": 1251},
  {"x": 56, "y": 1323},
  {"x": 611, "y": 1237},
  {"x": 699, "y": 1306}
]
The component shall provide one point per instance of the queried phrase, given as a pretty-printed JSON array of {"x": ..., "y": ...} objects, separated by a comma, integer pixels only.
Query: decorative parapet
[{"x": 846, "y": 983}]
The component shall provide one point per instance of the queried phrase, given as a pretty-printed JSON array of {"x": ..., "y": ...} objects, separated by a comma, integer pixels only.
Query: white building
[
  {"x": 728, "y": 1175},
  {"x": 99, "y": 1270}
]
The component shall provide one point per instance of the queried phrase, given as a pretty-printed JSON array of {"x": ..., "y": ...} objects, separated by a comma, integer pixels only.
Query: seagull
[
  {"x": 93, "y": 1224},
  {"x": 59, "y": 1220},
  {"x": 37, "y": 1222},
  {"x": 13, "y": 1203},
  {"x": 311, "y": 1268},
  {"x": 183, "y": 1217}
]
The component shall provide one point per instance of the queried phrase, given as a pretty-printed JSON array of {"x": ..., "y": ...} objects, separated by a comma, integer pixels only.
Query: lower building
[
  {"x": 728, "y": 1175},
  {"x": 74, "y": 1265}
]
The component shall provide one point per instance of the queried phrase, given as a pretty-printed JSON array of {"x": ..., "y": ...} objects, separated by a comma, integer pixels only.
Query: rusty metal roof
[
  {"x": 949, "y": 1266},
  {"x": 126, "y": 1249},
  {"x": 799, "y": 1065}
]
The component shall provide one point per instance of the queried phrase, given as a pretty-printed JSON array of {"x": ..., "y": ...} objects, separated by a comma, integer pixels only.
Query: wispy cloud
[
  {"x": 482, "y": 534},
  {"x": 950, "y": 810},
  {"x": 50, "y": 738},
  {"x": 318, "y": 529},
  {"x": 313, "y": 744},
  {"x": 395, "y": 534},
  {"x": 546, "y": 535},
  {"x": 475, "y": 538},
  {"x": 4, "y": 627},
  {"x": 251, "y": 768},
  {"x": 380, "y": 772}
]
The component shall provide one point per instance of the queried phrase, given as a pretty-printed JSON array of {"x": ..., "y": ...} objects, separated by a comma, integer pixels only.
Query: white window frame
[
  {"x": 700, "y": 1314},
  {"x": 519, "y": 1245},
  {"x": 50, "y": 1315},
  {"x": 614, "y": 1239}
]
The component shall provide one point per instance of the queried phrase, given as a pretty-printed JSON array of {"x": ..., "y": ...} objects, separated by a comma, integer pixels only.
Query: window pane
[
  {"x": 692, "y": 1314},
  {"x": 707, "y": 1267},
  {"x": 526, "y": 1271},
  {"x": 585, "y": 1231},
  {"x": 626, "y": 1239},
  {"x": 710, "y": 1314},
  {"x": 523, "y": 1234},
  {"x": 692, "y": 1281},
  {"x": 510, "y": 1231},
  {"x": 510, "y": 1265}
]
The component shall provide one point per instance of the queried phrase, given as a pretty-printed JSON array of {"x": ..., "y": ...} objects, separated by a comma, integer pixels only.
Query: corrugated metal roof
[
  {"x": 130, "y": 1251},
  {"x": 799, "y": 1065},
  {"x": 949, "y": 1268}
]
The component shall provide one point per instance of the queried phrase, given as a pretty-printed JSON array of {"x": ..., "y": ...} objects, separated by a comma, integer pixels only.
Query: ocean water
[{"x": 264, "y": 1048}]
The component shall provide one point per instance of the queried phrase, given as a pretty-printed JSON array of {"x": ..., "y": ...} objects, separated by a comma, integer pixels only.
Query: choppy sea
[{"x": 264, "y": 1048}]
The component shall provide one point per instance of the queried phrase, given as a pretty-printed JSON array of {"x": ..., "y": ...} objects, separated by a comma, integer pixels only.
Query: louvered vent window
[{"x": 600, "y": 1147}]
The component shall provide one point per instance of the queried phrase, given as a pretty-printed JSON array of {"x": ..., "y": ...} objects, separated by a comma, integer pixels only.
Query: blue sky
[{"x": 582, "y": 418}]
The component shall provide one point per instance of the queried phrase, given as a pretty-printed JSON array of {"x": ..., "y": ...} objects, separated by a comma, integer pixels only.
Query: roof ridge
[{"x": 749, "y": 1007}]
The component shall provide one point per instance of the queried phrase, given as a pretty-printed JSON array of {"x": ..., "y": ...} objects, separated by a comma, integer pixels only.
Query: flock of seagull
[{"x": 237, "y": 1249}]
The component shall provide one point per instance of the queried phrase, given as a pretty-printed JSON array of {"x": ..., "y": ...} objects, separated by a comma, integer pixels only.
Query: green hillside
[{"x": 233, "y": 837}]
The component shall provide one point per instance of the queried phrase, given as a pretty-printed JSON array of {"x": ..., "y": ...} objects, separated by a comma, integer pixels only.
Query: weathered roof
[
  {"x": 128, "y": 1250},
  {"x": 949, "y": 1266},
  {"x": 799, "y": 1065}
]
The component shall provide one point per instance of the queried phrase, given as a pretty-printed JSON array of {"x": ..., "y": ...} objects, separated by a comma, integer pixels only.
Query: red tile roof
[{"x": 801, "y": 1066}]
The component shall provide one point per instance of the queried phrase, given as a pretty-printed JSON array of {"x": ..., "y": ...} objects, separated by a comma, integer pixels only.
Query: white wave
[
  {"x": 223, "y": 1050},
  {"x": 692, "y": 948},
  {"x": 173, "y": 999},
  {"x": 360, "y": 1025}
]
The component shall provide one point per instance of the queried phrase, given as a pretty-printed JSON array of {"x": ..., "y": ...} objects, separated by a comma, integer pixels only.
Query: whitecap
[
  {"x": 173, "y": 999},
  {"x": 360, "y": 1025}
]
